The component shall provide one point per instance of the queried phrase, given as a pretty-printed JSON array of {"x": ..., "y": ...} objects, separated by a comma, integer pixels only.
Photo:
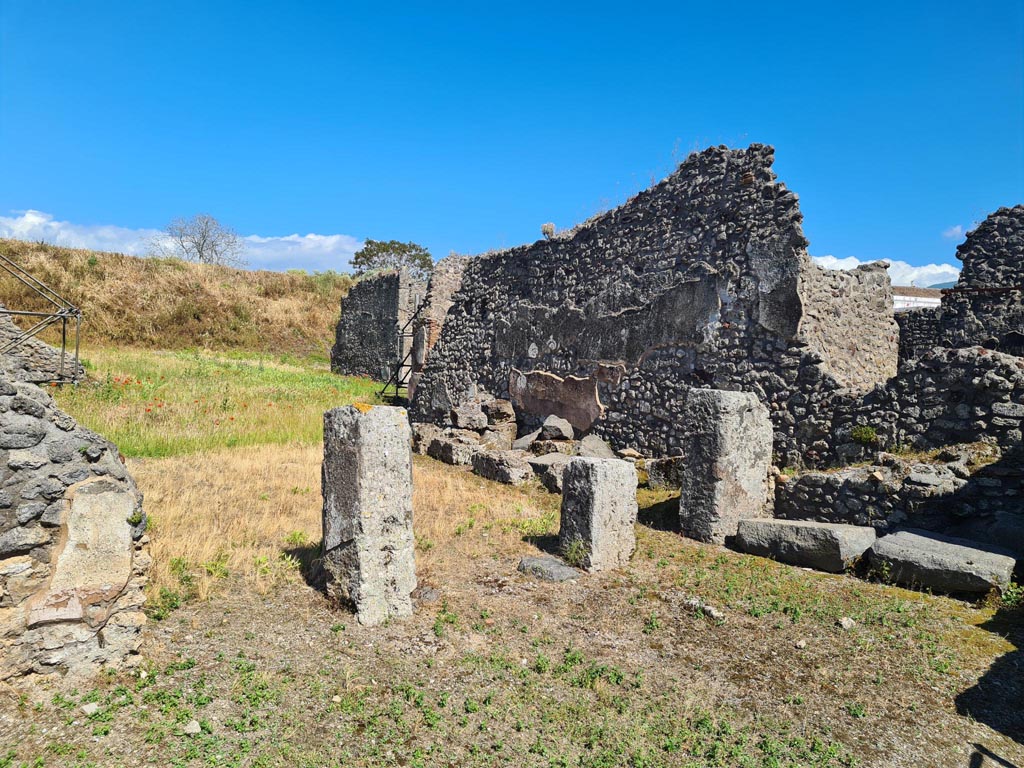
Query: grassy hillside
[{"x": 172, "y": 304}]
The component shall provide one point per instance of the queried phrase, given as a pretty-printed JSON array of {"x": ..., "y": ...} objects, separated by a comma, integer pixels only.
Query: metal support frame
[
  {"x": 64, "y": 312},
  {"x": 400, "y": 374}
]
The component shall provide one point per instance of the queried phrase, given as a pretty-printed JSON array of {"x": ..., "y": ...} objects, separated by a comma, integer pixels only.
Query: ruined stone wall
[
  {"x": 701, "y": 281},
  {"x": 34, "y": 360},
  {"x": 72, "y": 555},
  {"x": 367, "y": 339},
  {"x": 445, "y": 280},
  {"x": 947, "y": 396},
  {"x": 987, "y": 305},
  {"x": 986, "y": 308},
  {"x": 919, "y": 332},
  {"x": 848, "y": 320}
]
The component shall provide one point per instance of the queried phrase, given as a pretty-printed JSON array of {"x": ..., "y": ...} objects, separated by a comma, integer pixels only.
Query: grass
[
  {"x": 171, "y": 304},
  {"x": 254, "y": 513},
  {"x": 154, "y": 404}
]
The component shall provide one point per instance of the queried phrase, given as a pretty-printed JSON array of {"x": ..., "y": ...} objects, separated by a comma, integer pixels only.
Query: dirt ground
[{"x": 496, "y": 668}]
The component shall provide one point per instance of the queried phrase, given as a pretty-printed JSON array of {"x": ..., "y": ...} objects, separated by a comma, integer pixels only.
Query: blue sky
[{"x": 466, "y": 126}]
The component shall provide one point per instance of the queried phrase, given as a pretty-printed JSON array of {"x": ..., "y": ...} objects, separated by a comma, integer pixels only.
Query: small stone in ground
[
  {"x": 547, "y": 568},
  {"x": 90, "y": 709},
  {"x": 191, "y": 728},
  {"x": 847, "y": 623}
]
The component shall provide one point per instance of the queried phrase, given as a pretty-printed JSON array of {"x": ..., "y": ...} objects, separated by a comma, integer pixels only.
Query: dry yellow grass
[
  {"x": 172, "y": 304},
  {"x": 254, "y": 512}
]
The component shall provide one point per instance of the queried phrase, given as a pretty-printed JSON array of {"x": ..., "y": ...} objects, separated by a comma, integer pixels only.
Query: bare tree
[{"x": 201, "y": 238}]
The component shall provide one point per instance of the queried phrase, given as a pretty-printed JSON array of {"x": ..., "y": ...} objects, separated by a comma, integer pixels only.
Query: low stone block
[
  {"x": 825, "y": 546},
  {"x": 927, "y": 560},
  {"x": 367, "y": 511},
  {"x": 509, "y": 467},
  {"x": 599, "y": 511},
  {"x": 499, "y": 437},
  {"x": 727, "y": 445}
]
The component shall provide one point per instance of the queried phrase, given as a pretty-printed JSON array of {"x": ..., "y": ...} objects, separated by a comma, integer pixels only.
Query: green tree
[{"x": 391, "y": 254}]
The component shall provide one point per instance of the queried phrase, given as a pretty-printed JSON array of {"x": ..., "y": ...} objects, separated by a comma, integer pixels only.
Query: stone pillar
[
  {"x": 367, "y": 514},
  {"x": 727, "y": 444},
  {"x": 598, "y": 512}
]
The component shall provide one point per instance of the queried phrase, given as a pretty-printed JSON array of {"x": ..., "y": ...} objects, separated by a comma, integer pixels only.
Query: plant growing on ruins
[
  {"x": 575, "y": 553},
  {"x": 202, "y": 239},
  {"x": 391, "y": 254},
  {"x": 548, "y": 230},
  {"x": 864, "y": 435}
]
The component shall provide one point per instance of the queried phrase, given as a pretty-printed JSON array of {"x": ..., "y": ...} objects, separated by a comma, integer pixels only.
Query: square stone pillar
[
  {"x": 727, "y": 444},
  {"x": 598, "y": 512},
  {"x": 367, "y": 514}
]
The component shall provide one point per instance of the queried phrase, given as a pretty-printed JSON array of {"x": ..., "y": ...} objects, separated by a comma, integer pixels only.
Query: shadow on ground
[
  {"x": 312, "y": 572},
  {"x": 997, "y": 699}
]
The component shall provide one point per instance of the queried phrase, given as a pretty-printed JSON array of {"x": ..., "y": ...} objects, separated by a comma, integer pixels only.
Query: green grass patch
[{"x": 161, "y": 403}]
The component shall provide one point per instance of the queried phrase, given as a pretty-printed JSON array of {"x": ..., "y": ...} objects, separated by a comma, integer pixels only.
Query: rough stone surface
[
  {"x": 556, "y": 428},
  {"x": 824, "y": 546},
  {"x": 928, "y": 560},
  {"x": 728, "y": 450},
  {"x": 469, "y": 416},
  {"x": 593, "y": 447},
  {"x": 599, "y": 509},
  {"x": 454, "y": 447},
  {"x": 367, "y": 340},
  {"x": 701, "y": 281},
  {"x": 547, "y": 568},
  {"x": 367, "y": 511},
  {"x": 499, "y": 411},
  {"x": 665, "y": 472},
  {"x": 73, "y": 560},
  {"x": 34, "y": 360},
  {"x": 508, "y": 467}
]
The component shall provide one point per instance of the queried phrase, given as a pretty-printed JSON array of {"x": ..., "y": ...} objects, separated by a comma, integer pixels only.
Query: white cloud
[
  {"x": 953, "y": 233},
  {"x": 900, "y": 272},
  {"x": 311, "y": 252}
]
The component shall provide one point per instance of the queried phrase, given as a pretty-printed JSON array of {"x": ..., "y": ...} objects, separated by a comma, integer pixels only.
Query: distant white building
[{"x": 908, "y": 297}]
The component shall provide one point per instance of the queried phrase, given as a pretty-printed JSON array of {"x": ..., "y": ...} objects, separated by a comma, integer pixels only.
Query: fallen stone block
[
  {"x": 508, "y": 467},
  {"x": 523, "y": 443},
  {"x": 499, "y": 437},
  {"x": 599, "y": 511},
  {"x": 927, "y": 560},
  {"x": 593, "y": 447},
  {"x": 727, "y": 446},
  {"x": 422, "y": 434},
  {"x": 469, "y": 416},
  {"x": 457, "y": 449},
  {"x": 499, "y": 412},
  {"x": 825, "y": 546},
  {"x": 556, "y": 428},
  {"x": 367, "y": 511},
  {"x": 547, "y": 568}
]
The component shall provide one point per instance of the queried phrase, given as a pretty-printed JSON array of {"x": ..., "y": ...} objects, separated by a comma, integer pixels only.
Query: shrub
[{"x": 864, "y": 435}]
